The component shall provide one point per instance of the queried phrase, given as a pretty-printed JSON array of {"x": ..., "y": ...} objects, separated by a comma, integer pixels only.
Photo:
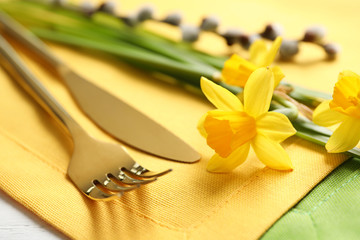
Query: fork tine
[
  {"x": 125, "y": 179},
  {"x": 96, "y": 194},
  {"x": 110, "y": 187},
  {"x": 146, "y": 173},
  {"x": 129, "y": 180}
]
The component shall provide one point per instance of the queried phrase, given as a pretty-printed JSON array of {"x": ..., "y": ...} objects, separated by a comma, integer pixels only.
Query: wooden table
[{"x": 16, "y": 222}]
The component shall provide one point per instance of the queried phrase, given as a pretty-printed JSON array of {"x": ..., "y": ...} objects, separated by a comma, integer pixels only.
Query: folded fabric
[{"x": 330, "y": 211}]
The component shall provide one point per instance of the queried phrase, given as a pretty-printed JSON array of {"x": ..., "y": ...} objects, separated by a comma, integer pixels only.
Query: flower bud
[
  {"x": 107, "y": 7},
  {"x": 314, "y": 34},
  {"x": 130, "y": 20},
  {"x": 288, "y": 49},
  {"x": 189, "y": 33},
  {"x": 145, "y": 13},
  {"x": 87, "y": 7},
  {"x": 272, "y": 31},
  {"x": 246, "y": 41},
  {"x": 173, "y": 19},
  {"x": 232, "y": 36},
  {"x": 210, "y": 23},
  {"x": 331, "y": 50}
]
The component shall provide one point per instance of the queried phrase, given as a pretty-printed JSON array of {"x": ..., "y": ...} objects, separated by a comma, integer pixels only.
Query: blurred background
[{"x": 309, "y": 68}]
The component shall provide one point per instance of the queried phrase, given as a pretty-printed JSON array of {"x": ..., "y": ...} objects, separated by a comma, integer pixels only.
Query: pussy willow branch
[{"x": 313, "y": 35}]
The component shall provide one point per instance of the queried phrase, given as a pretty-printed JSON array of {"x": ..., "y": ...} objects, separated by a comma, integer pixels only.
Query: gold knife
[{"x": 110, "y": 113}]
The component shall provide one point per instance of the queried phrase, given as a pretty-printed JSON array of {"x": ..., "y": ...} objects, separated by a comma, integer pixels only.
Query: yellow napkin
[{"x": 188, "y": 203}]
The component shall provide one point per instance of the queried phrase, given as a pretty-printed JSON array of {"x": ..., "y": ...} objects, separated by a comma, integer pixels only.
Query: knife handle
[
  {"x": 28, "y": 39},
  {"x": 12, "y": 63}
]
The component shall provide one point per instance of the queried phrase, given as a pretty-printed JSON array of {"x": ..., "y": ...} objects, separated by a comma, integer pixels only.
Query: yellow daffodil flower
[
  {"x": 344, "y": 108},
  {"x": 234, "y": 126},
  {"x": 237, "y": 70}
]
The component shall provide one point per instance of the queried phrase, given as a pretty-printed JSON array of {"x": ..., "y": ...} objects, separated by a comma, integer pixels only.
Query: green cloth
[{"x": 330, "y": 211}]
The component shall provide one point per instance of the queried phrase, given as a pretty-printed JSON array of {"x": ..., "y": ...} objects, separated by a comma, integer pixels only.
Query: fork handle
[
  {"x": 12, "y": 63},
  {"x": 27, "y": 38}
]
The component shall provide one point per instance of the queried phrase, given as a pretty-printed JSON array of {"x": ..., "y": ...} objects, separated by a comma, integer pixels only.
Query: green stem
[
  {"x": 310, "y": 98},
  {"x": 131, "y": 54},
  {"x": 287, "y": 108},
  {"x": 320, "y": 139}
]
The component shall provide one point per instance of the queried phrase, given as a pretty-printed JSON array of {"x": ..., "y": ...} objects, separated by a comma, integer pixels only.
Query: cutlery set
[{"x": 101, "y": 170}]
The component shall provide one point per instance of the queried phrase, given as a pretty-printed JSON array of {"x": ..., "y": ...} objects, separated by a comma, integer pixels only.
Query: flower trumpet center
[
  {"x": 346, "y": 99},
  {"x": 237, "y": 70},
  {"x": 226, "y": 131},
  {"x": 353, "y": 100}
]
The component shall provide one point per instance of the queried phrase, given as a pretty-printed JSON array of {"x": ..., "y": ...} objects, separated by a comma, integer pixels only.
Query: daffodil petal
[
  {"x": 237, "y": 119},
  {"x": 258, "y": 92},
  {"x": 201, "y": 127},
  {"x": 271, "y": 54},
  {"x": 324, "y": 116},
  {"x": 347, "y": 73},
  {"x": 353, "y": 111},
  {"x": 271, "y": 153},
  {"x": 278, "y": 75},
  {"x": 237, "y": 70},
  {"x": 257, "y": 52},
  {"x": 345, "y": 137},
  {"x": 236, "y": 158},
  {"x": 347, "y": 85},
  {"x": 219, "y": 96},
  {"x": 275, "y": 126},
  {"x": 219, "y": 135},
  {"x": 346, "y": 94},
  {"x": 227, "y": 130}
]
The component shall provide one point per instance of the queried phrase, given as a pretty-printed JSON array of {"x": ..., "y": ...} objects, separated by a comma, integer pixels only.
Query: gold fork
[{"x": 101, "y": 170}]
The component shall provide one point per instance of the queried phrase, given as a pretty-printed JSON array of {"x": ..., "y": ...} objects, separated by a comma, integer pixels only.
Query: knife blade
[{"x": 110, "y": 113}]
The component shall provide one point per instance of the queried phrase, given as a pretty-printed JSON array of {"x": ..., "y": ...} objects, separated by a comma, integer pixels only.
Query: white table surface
[{"x": 17, "y": 222}]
